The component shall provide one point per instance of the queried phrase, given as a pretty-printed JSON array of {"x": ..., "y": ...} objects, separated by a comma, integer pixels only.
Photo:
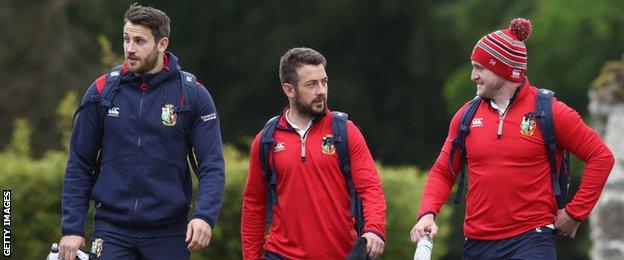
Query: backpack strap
[
  {"x": 106, "y": 95},
  {"x": 341, "y": 141},
  {"x": 105, "y": 86},
  {"x": 459, "y": 142},
  {"x": 543, "y": 105},
  {"x": 266, "y": 142},
  {"x": 188, "y": 98}
]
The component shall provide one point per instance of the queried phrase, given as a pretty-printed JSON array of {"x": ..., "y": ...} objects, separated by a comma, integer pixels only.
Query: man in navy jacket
[{"x": 144, "y": 129}]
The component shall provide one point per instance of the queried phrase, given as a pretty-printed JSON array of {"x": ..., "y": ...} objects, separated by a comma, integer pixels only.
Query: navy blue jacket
[{"x": 144, "y": 188}]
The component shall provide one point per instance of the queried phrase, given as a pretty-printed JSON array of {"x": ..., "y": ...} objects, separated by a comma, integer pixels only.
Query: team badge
[
  {"x": 327, "y": 145},
  {"x": 168, "y": 116},
  {"x": 527, "y": 127},
  {"x": 96, "y": 247}
]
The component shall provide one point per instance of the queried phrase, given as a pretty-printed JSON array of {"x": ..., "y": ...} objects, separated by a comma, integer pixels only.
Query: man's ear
[
  {"x": 162, "y": 44},
  {"x": 289, "y": 90}
]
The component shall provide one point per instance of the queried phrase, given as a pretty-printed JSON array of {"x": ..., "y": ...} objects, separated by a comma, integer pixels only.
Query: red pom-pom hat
[{"x": 503, "y": 51}]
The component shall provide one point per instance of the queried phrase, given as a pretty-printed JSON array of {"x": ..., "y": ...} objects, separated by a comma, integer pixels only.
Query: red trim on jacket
[
  {"x": 312, "y": 219},
  {"x": 509, "y": 185},
  {"x": 101, "y": 81}
]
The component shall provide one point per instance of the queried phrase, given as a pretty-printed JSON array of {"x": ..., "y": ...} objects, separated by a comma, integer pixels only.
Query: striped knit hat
[{"x": 503, "y": 51}]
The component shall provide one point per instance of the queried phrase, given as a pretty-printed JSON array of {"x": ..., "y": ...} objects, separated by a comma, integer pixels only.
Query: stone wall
[{"x": 607, "y": 109}]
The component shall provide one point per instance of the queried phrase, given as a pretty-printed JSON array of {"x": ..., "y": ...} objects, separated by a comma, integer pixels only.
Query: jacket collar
[
  {"x": 170, "y": 68},
  {"x": 282, "y": 123}
]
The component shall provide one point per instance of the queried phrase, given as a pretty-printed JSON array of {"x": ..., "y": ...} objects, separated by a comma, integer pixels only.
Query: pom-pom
[{"x": 521, "y": 28}]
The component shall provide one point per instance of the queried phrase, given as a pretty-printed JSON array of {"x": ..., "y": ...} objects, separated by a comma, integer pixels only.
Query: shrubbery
[{"x": 36, "y": 186}]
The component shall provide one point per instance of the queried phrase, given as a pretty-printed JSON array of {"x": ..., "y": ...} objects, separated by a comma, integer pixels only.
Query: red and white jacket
[
  {"x": 509, "y": 183},
  {"x": 312, "y": 219}
]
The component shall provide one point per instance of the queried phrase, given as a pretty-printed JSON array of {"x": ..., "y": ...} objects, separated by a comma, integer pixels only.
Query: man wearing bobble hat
[{"x": 511, "y": 210}]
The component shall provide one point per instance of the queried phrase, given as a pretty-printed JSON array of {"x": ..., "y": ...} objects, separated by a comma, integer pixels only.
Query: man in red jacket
[
  {"x": 312, "y": 219},
  {"x": 511, "y": 211}
]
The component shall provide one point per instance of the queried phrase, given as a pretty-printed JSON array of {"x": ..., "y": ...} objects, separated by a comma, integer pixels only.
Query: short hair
[
  {"x": 296, "y": 58},
  {"x": 150, "y": 17}
]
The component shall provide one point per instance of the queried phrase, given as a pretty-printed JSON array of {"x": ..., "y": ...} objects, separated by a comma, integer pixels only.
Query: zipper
[
  {"x": 499, "y": 132},
  {"x": 138, "y": 168},
  {"x": 303, "y": 144},
  {"x": 501, "y": 119}
]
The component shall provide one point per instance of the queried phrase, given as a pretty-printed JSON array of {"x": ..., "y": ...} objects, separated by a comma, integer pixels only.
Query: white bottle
[
  {"x": 423, "y": 248},
  {"x": 53, "y": 255}
]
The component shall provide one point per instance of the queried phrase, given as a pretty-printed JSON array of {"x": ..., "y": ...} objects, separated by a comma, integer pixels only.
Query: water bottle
[
  {"x": 54, "y": 252},
  {"x": 423, "y": 248}
]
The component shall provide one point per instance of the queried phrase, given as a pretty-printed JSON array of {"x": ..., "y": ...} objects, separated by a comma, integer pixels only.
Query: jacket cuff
[
  {"x": 376, "y": 233},
  {"x": 72, "y": 233},
  {"x": 425, "y": 213},
  {"x": 577, "y": 219},
  {"x": 204, "y": 218}
]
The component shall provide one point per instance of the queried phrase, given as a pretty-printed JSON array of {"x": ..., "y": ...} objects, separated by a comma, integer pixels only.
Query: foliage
[
  {"x": 399, "y": 68},
  {"x": 36, "y": 186}
]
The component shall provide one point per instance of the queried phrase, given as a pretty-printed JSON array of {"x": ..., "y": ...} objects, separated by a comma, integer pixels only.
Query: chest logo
[
  {"x": 279, "y": 147},
  {"x": 527, "y": 127},
  {"x": 327, "y": 145},
  {"x": 477, "y": 122},
  {"x": 113, "y": 112},
  {"x": 168, "y": 116}
]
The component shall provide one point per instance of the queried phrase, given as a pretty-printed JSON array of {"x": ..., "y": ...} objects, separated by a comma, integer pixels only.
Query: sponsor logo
[
  {"x": 113, "y": 112},
  {"x": 209, "y": 117},
  {"x": 279, "y": 147},
  {"x": 477, "y": 122},
  {"x": 168, "y": 115},
  {"x": 327, "y": 145},
  {"x": 114, "y": 74},
  {"x": 527, "y": 127}
]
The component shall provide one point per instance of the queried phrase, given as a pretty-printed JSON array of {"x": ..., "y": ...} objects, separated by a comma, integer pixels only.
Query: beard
[
  {"x": 312, "y": 109},
  {"x": 146, "y": 64},
  {"x": 490, "y": 90}
]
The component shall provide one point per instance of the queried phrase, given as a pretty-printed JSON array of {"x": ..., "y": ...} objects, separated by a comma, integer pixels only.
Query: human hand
[
  {"x": 425, "y": 225},
  {"x": 374, "y": 244},
  {"x": 69, "y": 245},
  {"x": 198, "y": 234},
  {"x": 566, "y": 225}
]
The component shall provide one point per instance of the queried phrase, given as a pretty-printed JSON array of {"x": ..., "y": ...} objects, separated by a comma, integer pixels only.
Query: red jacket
[
  {"x": 312, "y": 219},
  {"x": 509, "y": 183}
]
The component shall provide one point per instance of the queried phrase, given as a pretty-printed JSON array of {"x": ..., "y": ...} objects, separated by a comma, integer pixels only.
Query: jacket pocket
[
  {"x": 114, "y": 191},
  {"x": 165, "y": 193}
]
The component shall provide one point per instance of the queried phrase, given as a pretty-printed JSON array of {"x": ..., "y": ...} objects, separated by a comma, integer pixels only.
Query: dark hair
[
  {"x": 150, "y": 17},
  {"x": 294, "y": 59}
]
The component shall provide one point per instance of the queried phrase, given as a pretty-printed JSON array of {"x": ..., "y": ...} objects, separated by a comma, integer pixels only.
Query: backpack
[
  {"x": 560, "y": 181},
  {"x": 107, "y": 90},
  {"x": 340, "y": 140}
]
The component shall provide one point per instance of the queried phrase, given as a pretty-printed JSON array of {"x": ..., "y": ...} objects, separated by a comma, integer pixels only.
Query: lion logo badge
[{"x": 168, "y": 115}]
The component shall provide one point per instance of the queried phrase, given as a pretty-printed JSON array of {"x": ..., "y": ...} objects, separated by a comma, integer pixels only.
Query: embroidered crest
[
  {"x": 168, "y": 116},
  {"x": 327, "y": 145},
  {"x": 96, "y": 247},
  {"x": 527, "y": 127}
]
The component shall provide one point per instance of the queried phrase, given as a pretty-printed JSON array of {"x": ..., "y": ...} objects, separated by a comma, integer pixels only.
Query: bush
[{"x": 36, "y": 186}]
